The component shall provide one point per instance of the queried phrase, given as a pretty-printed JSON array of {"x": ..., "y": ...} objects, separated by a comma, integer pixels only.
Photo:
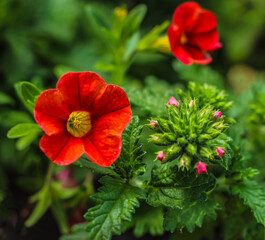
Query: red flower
[
  {"x": 83, "y": 115},
  {"x": 192, "y": 34}
]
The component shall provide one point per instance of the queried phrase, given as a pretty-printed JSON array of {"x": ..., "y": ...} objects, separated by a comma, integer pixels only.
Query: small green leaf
[
  {"x": 105, "y": 67},
  {"x": 5, "y": 99},
  {"x": 23, "y": 129},
  {"x": 116, "y": 201},
  {"x": 28, "y": 94},
  {"x": 254, "y": 196},
  {"x": 25, "y": 141},
  {"x": 44, "y": 199},
  {"x": 78, "y": 232}
]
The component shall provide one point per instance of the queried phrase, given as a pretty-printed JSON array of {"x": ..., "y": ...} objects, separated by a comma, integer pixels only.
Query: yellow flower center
[
  {"x": 183, "y": 38},
  {"x": 79, "y": 123}
]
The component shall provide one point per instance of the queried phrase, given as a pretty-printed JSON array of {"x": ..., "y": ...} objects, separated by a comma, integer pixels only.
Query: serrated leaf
[
  {"x": 85, "y": 162},
  {"x": 22, "y": 129},
  {"x": 116, "y": 201},
  {"x": 173, "y": 188},
  {"x": 148, "y": 220},
  {"x": 253, "y": 196},
  {"x": 130, "y": 162},
  {"x": 190, "y": 216}
]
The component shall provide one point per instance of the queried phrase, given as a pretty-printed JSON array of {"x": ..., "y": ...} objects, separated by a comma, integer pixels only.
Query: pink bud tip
[
  {"x": 161, "y": 155},
  {"x": 153, "y": 123},
  {"x": 217, "y": 115},
  {"x": 191, "y": 103},
  {"x": 172, "y": 101},
  {"x": 220, "y": 151},
  {"x": 201, "y": 168}
]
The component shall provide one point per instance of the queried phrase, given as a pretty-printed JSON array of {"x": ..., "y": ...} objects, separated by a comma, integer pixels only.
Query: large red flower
[
  {"x": 192, "y": 34},
  {"x": 82, "y": 115}
]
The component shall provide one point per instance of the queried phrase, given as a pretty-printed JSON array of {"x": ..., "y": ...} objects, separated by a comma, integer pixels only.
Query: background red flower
[
  {"x": 192, "y": 34},
  {"x": 109, "y": 113}
]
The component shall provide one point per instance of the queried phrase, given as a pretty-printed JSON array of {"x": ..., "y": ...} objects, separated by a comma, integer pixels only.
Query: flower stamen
[{"x": 79, "y": 123}]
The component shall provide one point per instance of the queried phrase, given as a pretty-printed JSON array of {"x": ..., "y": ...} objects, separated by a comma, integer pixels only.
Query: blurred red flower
[
  {"x": 83, "y": 115},
  {"x": 192, "y": 34}
]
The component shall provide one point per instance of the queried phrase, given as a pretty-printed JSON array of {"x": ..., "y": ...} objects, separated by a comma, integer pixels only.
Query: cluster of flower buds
[{"x": 192, "y": 135}]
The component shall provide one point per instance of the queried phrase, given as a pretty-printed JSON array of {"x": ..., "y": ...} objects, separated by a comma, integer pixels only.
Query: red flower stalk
[
  {"x": 82, "y": 115},
  {"x": 201, "y": 168},
  {"x": 192, "y": 34}
]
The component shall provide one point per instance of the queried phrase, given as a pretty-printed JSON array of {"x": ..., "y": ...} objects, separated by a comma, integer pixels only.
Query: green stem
[{"x": 49, "y": 173}]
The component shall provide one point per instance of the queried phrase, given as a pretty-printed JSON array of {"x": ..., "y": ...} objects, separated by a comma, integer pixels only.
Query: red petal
[
  {"x": 182, "y": 55},
  {"x": 198, "y": 56},
  {"x": 103, "y": 142},
  {"x": 113, "y": 99},
  {"x": 186, "y": 15},
  {"x": 80, "y": 90},
  {"x": 205, "y": 41},
  {"x": 174, "y": 35},
  {"x": 206, "y": 22},
  {"x": 51, "y": 112},
  {"x": 62, "y": 148}
]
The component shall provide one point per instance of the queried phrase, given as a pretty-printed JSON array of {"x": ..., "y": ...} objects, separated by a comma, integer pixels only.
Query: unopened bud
[
  {"x": 172, "y": 101},
  {"x": 192, "y": 102},
  {"x": 184, "y": 162},
  {"x": 160, "y": 156},
  {"x": 153, "y": 123},
  {"x": 217, "y": 115},
  {"x": 201, "y": 168},
  {"x": 220, "y": 151}
]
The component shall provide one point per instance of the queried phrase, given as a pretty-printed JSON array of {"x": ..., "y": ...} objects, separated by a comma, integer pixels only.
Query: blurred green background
[{"x": 42, "y": 39}]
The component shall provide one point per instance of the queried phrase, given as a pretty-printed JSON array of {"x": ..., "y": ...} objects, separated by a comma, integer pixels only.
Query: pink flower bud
[
  {"x": 153, "y": 123},
  {"x": 156, "y": 138},
  {"x": 201, "y": 168},
  {"x": 220, "y": 152},
  {"x": 172, "y": 101},
  {"x": 160, "y": 156},
  {"x": 217, "y": 115}
]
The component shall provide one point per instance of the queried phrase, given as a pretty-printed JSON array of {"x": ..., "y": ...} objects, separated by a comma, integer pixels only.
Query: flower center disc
[
  {"x": 79, "y": 123},
  {"x": 183, "y": 38}
]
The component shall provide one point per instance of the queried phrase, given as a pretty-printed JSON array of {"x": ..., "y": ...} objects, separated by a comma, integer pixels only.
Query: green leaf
[
  {"x": 28, "y": 93},
  {"x": 133, "y": 21},
  {"x": 148, "y": 220},
  {"x": 22, "y": 129},
  {"x": 25, "y": 141},
  {"x": 191, "y": 216},
  {"x": 44, "y": 199},
  {"x": 177, "y": 189},
  {"x": 254, "y": 196},
  {"x": 85, "y": 162},
  {"x": 78, "y": 232},
  {"x": 116, "y": 201},
  {"x": 130, "y": 162},
  {"x": 152, "y": 36},
  {"x": 5, "y": 99}
]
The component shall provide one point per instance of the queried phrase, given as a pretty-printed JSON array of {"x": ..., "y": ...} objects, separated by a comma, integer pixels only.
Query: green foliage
[
  {"x": 177, "y": 189},
  {"x": 192, "y": 134},
  {"x": 253, "y": 196},
  {"x": 5, "y": 99},
  {"x": 115, "y": 201},
  {"x": 148, "y": 219},
  {"x": 153, "y": 98},
  {"x": 28, "y": 94},
  {"x": 78, "y": 232},
  {"x": 85, "y": 162},
  {"x": 207, "y": 94},
  {"x": 190, "y": 216},
  {"x": 130, "y": 162}
]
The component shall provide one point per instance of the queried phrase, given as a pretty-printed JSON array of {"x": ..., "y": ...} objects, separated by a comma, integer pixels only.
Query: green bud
[
  {"x": 191, "y": 148},
  {"x": 184, "y": 162},
  {"x": 182, "y": 141},
  {"x": 172, "y": 152}
]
